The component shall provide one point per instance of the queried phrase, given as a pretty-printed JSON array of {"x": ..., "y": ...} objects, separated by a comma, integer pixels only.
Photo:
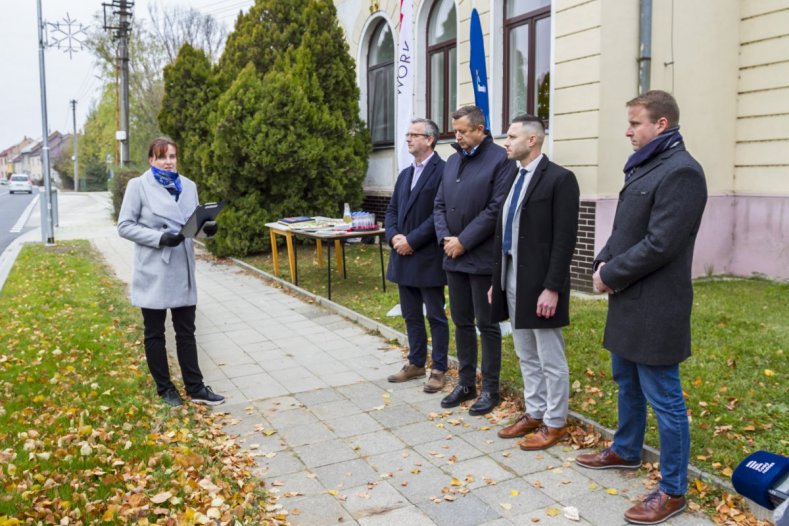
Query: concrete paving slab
[
  {"x": 320, "y": 510},
  {"x": 410, "y": 515},
  {"x": 373, "y": 499}
]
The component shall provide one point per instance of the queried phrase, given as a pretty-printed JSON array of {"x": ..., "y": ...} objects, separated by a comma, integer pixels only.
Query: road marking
[{"x": 20, "y": 224}]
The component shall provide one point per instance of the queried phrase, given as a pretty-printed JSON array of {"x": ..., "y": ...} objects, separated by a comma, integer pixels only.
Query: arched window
[
  {"x": 442, "y": 63},
  {"x": 380, "y": 86},
  {"x": 527, "y": 54}
]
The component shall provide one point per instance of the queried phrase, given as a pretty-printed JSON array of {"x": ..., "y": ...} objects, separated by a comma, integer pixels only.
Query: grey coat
[
  {"x": 648, "y": 260},
  {"x": 163, "y": 277}
]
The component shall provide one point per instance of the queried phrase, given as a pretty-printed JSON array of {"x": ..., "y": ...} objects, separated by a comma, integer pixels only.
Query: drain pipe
[{"x": 644, "y": 45}]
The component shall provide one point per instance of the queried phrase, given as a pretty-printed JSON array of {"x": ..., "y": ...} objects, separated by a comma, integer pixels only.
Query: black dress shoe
[
  {"x": 484, "y": 404},
  {"x": 459, "y": 394}
]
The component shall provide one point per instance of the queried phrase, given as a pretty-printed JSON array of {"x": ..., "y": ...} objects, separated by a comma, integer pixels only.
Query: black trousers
[
  {"x": 411, "y": 301},
  {"x": 468, "y": 302},
  {"x": 185, "y": 344}
]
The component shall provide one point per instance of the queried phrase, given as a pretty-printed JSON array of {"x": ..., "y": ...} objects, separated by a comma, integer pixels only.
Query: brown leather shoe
[
  {"x": 656, "y": 508},
  {"x": 606, "y": 459},
  {"x": 436, "y": 381},
  {"x": 543, "y": 438},
  {"x": 522, "y": 427},
  {"x": 408, "y": 372}
]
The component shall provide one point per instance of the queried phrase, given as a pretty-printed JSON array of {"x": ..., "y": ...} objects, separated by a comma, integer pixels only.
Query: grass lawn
[
  {"x": 735, "y": 382},
  {"x": 83, "y": 437}
]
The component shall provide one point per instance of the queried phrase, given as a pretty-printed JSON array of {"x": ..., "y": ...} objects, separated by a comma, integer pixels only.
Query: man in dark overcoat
[
  {"x": 415, "y": 263},
  {"x": 645, "y": 267},
  {"x": 535, "y": 239},
  {"x": 475, "y": 182}
]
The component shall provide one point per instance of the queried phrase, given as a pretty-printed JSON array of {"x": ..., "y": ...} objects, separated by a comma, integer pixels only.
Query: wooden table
[{"x": 337, "y": 237}]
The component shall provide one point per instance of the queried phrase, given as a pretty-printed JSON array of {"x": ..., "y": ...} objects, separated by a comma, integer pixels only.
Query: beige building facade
[{"x": 726, "y": 62}]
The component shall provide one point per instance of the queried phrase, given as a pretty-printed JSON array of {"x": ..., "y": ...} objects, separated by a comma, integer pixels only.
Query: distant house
[
  {"x": 29, "y": 160},
  {"x": 575, "y": 63},
  {"x": 7, "y": 156}
]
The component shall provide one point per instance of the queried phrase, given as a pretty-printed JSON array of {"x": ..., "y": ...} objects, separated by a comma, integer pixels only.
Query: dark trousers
[
  {"x": 185, "y": 345},
  {"x": 411, "y": 301},
  {"x": 468, "y": 301}
]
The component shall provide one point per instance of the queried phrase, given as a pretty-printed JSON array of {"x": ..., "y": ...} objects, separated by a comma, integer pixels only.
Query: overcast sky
[{"x": 20, "y": 102}]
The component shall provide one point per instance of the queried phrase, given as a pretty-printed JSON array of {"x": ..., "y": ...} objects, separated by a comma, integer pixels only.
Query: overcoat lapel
[
  {"x": 651, "y": 165},
  {"x": 427, "y": 172},
  {"x": 162, "y": 203}
]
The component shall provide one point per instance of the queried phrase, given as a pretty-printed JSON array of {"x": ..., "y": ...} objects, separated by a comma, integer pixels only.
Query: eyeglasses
[{"x": 412, "y": 135}]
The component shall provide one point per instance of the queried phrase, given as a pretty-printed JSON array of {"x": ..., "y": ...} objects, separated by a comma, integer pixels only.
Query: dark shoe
[
  {"x": 408, "y": 372},
  {"x": 543, "y": 438},
  {"x": 524, "y": 425},
  {"x": 485, "y": 403},
  {"x": 172, "y": 398},
  {"x": 460, "y": 394},
  {"x": 606, "y": 459},
  {"x": 436, "y": 382},
  {"x": 207, "y": 396},
  {"x": 656, "y": 508}
]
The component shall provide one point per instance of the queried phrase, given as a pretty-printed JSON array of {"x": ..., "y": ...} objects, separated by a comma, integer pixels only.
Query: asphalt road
[{"x": 12, "y": 215}]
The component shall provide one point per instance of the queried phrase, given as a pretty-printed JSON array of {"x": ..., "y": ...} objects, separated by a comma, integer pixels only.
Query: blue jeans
[{"x": 661, "y": 386}]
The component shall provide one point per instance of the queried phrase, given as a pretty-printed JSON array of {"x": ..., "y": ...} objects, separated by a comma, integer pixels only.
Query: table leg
[
  {"x": 381, "y": 254},
  {"x": 319, "y": 251},
  {"x": 274, "y": 252},
  {"x": 344, "y": 266},
  {"x": 340, "y": 252},
  {"x": 295, "y": 263},
  {"x": 291, "y": 261},
  {"x": 328, "y": 269}
]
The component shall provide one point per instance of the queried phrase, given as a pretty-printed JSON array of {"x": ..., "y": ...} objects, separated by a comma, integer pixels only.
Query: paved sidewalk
[{"x": 308, "y": 398}]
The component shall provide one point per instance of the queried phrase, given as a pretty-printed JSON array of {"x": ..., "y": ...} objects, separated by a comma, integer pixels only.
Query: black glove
[
  {"x": 170, "y": 240},
  {"x": 210, "y": 228}
]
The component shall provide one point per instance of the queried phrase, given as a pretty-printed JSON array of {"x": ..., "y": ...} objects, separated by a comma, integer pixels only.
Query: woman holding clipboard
[{"x": 155, "y": 207}]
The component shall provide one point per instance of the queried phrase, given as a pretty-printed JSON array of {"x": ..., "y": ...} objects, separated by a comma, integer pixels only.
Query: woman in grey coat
[{"x": 155, "y": 207}]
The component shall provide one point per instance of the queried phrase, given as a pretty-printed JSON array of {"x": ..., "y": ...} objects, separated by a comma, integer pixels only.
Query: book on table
[{"x": 294, "y": 220}]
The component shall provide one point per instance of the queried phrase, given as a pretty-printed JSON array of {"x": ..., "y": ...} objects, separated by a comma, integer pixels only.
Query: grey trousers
[{"x": 546, "y": 377}]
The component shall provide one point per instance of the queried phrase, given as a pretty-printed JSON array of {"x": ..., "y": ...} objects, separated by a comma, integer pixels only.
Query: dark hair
[
  {"x": 158, "y": 147},
  {"x": 658, "y": 103},
  {"x": 474, "y": 114},
  {"x": 532, "y": 120},
  {"x": 431, "y": 129}
]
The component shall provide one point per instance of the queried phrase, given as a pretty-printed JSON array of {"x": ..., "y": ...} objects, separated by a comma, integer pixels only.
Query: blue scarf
[
  {"x": 665, "y": 141},
  {"x": 169, "y": 180}
]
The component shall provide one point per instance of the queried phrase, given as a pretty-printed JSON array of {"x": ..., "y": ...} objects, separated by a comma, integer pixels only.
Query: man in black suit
[
  {"x": 535, "y": 239},
  {"x": 645, "y": 267},
  {"x": 475, "y": 183},
  {"x": 416, "y": 258}
]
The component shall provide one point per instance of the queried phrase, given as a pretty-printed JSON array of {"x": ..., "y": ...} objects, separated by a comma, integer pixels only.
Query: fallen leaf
[{"x": 552, "y": 512}]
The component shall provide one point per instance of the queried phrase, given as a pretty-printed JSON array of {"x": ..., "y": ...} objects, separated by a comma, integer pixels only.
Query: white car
[{"x": 19, "y": 183}]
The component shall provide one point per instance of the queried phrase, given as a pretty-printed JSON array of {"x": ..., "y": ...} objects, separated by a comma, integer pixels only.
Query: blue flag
[{"x": 479, "y": 73}]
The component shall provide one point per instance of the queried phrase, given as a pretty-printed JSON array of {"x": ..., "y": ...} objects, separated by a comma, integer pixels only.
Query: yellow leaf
[
  {"x": 515, "y": 493},
  {"x": 612, "y": 491},
  {"x": 726, "y": 471},
  {"x": 485, "y": 428},
  {"x": 769, "y": 372},
  {"x": 268, "y": 432},
  {"x": 333, "y": 492},
  {"x": 552, "y": 512},
  {"x": 506, "y": 505},
  {"x": 456, "y": 482},
  {"x": 700, "y": 486}
]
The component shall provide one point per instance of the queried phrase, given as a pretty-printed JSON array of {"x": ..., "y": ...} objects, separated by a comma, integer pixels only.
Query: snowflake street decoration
[{"x": 68, "y": 35}]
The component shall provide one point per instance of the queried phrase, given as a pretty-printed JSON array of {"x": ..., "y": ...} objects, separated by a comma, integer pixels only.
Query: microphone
[{"x": 763, "y": 477}]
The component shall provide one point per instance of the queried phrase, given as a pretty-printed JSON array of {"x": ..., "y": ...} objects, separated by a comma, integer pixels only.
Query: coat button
[{"x": 164, "y": 227}]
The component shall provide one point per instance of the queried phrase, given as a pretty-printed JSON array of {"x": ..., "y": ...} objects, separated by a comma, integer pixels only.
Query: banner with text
[{"x": 405, "y": 83}]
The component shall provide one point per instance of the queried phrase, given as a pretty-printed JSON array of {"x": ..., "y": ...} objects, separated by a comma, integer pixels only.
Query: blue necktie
[{"x": 506, "y": 244}]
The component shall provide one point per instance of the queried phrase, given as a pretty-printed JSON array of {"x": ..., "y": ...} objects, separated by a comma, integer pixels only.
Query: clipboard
[{"x": 203, "y": 213}]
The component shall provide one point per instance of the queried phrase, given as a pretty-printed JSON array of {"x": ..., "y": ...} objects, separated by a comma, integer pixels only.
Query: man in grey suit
[
  {"x": 535, "y": 238},
  {"x": 645, "y": 267}
]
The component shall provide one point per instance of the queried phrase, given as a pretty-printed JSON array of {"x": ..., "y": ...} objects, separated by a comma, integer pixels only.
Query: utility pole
[
  {"x": 47, "y": 229},
  {"x": 74, "y": 142},
  {"x": 118, "y": 22}
]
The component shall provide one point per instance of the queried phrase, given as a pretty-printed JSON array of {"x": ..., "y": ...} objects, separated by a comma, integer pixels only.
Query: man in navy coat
[
  {"x": 416, "y": 258},
  {"x": 645, "y": 268},
  {"x": 475, "y": 183}
]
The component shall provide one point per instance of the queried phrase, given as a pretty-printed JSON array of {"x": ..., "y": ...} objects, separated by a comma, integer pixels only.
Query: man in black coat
[
  {"x": 475, "y": 182},
  {"x": 645, "y": 267},
  {"x": 535, "y": 239},
  {"x": 416, "y": 258}
]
